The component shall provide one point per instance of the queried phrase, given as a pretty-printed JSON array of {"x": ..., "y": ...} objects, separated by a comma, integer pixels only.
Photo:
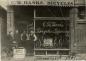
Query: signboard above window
[{"x": 42, "y": 2}]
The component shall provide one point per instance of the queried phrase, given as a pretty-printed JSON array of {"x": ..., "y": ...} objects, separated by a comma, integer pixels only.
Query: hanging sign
[
  {"x": 42, "y": 2},
  {"x": 19, "y": 53}
]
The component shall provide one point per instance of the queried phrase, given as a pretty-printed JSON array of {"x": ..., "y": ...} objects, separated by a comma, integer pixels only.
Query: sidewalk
[{"x": 32, "y": 58}]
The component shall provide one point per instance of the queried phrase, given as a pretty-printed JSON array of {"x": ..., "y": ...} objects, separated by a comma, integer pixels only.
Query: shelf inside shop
[
  {"x": 51, "y": 49},
  {"x": 52, "y": 18},
  {"x": 54, "y": 32}
]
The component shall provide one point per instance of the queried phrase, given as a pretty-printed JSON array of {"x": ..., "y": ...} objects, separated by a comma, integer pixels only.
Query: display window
[{"x": 52, "y": 33}]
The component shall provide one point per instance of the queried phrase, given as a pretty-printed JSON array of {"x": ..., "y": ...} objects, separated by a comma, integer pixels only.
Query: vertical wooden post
[
  {"x": 85, "y": 8},
  {"x": 74, "y": 17},
  {"x": 34, "y": 18},
  {"x": 34, "y": 25},
  {"x": 10, "y": 20},
  {"x": 0, "y": 35},
  {"x": 46, "y": 52}
]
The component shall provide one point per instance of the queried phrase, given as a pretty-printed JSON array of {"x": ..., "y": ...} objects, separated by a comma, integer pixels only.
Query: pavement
[
  {"x": 33, "y": 58},
  {"x": 17, "y": 59}
]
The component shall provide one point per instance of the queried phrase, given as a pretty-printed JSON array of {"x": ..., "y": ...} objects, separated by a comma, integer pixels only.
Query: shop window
[
  {"x": 52, "y": 34},
  {"x": 52, "y": 12}
]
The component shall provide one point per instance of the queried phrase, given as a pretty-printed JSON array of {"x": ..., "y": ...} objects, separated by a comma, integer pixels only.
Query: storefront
[{"x": 53, "y": 22}]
